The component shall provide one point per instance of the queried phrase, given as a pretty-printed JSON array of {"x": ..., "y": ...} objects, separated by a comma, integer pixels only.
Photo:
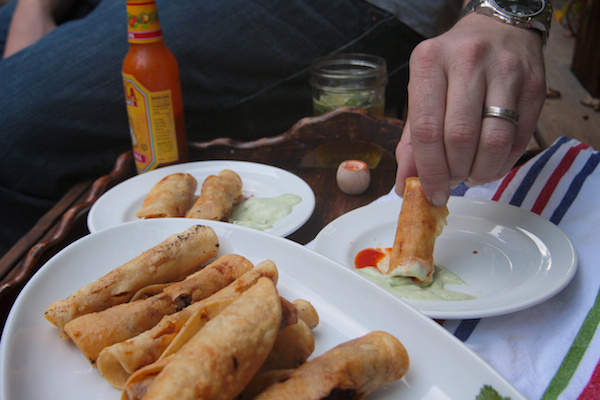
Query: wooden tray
[{"x": 293, "y": 150}]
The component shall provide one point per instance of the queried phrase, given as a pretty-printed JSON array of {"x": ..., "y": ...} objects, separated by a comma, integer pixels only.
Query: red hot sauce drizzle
[{"x": 370, "y": 257}]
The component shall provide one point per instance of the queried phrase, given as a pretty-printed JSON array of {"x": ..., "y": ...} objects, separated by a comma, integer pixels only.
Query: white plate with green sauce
[
  {"x": 275, "y": 200},
  {"x": 35, "y": 364},
  {"x": 502, "y": 258}
]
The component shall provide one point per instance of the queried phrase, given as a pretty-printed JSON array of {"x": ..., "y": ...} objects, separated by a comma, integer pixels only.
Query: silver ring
[{"x": 500, "y": 112}]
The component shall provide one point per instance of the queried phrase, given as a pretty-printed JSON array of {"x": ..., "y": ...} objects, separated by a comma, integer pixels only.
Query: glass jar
[{"x": 351, "y": 79}]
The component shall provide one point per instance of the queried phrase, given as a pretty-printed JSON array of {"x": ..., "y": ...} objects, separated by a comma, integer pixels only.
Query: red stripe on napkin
[
  {"x": 592, "y": 390},
  {"x": 509, "y": 177},
  {"x": 556, "y": 176}
]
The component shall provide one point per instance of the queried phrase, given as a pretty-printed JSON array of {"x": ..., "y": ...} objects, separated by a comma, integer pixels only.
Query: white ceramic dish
[
  {"x": 36, "y": 364},
  {"x": 120, "y": 203},
  {"x": 510, "y": 258}
]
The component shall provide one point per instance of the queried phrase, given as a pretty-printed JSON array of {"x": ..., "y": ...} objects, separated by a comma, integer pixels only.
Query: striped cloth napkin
[{"x": 552, "y": 350}]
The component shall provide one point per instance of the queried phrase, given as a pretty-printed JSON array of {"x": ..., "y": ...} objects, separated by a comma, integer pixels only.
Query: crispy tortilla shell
[
  {"x": 358, "y": 366},
  {"x": 118, "y": 361},
  {"x": 307, "y": 313},
  {"x": 419, "y": 225},
  {"x": 265, "y": 269},
  {"x": 171, "y": 197},
  {"x": 219, "y": 194},
  {"x": 219, "y": 361},
  {"x": 292, "y": 348},
  {"x": 172, "y": 260},
  {"x": 96, "y": 331}
]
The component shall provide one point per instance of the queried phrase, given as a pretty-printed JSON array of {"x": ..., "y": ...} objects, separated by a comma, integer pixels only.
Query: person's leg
[
  {"x": 252, "y": 78},
  {"x": 6, "y": 12},
  {"x": 56, "y": 125},
  {"x": 80, "y": 9},
  {"x": 244, "y": 69}
]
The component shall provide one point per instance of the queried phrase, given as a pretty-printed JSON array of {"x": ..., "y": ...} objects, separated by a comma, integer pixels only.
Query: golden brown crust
[
  {"x": 171, "y": 197},
  {"x": 361, "y": 365},
  {"x": 222, "y": 357},
  {"x": 419, "y": 224},
  {"x": 170, "y": 261},
  {"x": 292, "y": 348},
  {"x": 265, "y": 269},
  {"x": 118, "y": 361},
  {"x": 307, "y": 313},
  {"x": 149, "y": 291},
  {"x": 261, "y": 381},
  {"x": 219, "y": 194},
  {"x": 96, "y": 331}
]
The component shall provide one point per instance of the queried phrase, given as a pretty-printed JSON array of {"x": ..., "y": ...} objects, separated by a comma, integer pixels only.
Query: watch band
[{"x": 540, "y": 21}]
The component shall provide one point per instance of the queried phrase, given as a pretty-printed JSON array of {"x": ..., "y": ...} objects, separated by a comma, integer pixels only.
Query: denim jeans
[{"x": 244, "y": 71}]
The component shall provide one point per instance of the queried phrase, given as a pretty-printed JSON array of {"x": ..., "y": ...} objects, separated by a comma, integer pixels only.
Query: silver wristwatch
[{"x": 533, "y": 14}]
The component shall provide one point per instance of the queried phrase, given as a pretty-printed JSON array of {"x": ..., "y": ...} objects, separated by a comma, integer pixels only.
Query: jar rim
[
  {"x": 336, "y": 70},
  {"x": 334, "y": 65}
]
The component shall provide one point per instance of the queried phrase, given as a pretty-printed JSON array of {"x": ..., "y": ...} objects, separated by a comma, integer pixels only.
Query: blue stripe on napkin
[
  {"x": 467, "y": 327},
  {"x": 574, "y": 188}
]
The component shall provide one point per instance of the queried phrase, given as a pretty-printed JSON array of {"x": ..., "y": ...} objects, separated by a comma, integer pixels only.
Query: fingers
[
  {"x": 452, "y": 78},
  {"x": 504, "y": 79},
  {"x": 496, "y": 142},
  {"x": 462, "y": 124},
  {"x": 427, "y": 90},
  {"x": 509, "y": 85},
  {"x": 406, "y": 160},
  {"x": 529, "y": 107}
]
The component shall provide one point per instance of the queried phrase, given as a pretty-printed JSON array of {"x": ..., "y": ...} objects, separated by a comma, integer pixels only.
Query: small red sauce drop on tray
[
  {"x": 369, "y": 258},
  {"x": 354, "y": 165}
]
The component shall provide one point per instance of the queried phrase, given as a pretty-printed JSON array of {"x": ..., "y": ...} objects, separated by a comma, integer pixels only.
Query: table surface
[
  {"x": 546, "y": 351},
  {"x": 293, "y": 151}
]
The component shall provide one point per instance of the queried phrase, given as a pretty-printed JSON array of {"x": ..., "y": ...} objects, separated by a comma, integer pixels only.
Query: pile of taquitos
[{"x": 221, "y": 332}]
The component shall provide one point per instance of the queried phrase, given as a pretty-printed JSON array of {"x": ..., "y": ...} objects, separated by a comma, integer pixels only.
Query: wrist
[{"x": 531, "y": 15}]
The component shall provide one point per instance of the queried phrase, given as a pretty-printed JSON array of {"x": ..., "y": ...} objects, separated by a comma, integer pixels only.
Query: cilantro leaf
[{"x": 489, "y": 393}]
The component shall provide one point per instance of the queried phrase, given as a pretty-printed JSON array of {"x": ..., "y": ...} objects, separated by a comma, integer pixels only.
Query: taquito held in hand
[
  {"x": 171, "y": 197},
  {"x": 419, "y": 225},
  {"x": 172, "y": 260}
]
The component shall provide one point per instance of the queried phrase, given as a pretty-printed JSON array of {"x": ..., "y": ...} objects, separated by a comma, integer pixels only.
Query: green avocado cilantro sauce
[
  {"x": 363, "y": 99},
  {"x": 263, "y": 213},
  {"x": 405, "y": 288}
]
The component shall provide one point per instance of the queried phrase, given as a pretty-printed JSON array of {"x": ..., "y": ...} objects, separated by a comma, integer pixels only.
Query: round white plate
[
  {"x": 120, "y": 203},
  {"x": 510, "y": 258},
  {"x": 36, "y": 364}
]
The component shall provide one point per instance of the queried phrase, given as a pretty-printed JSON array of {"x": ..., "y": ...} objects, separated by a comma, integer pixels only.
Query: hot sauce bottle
[{"x": 152, "y": 92}]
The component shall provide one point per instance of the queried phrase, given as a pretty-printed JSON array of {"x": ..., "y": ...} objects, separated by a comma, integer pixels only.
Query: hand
[
  {"x": 478, "y": 63},
  {"x": 32, "y": 20}
]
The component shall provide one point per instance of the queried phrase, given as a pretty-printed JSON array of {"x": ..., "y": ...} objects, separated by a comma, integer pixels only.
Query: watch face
[{"x": 521, "y": 8}]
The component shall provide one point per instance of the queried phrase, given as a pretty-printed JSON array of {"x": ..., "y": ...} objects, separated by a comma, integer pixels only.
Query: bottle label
[
  {"x": 151, "y": 124},
  {"x": 143, "y": 23}
]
